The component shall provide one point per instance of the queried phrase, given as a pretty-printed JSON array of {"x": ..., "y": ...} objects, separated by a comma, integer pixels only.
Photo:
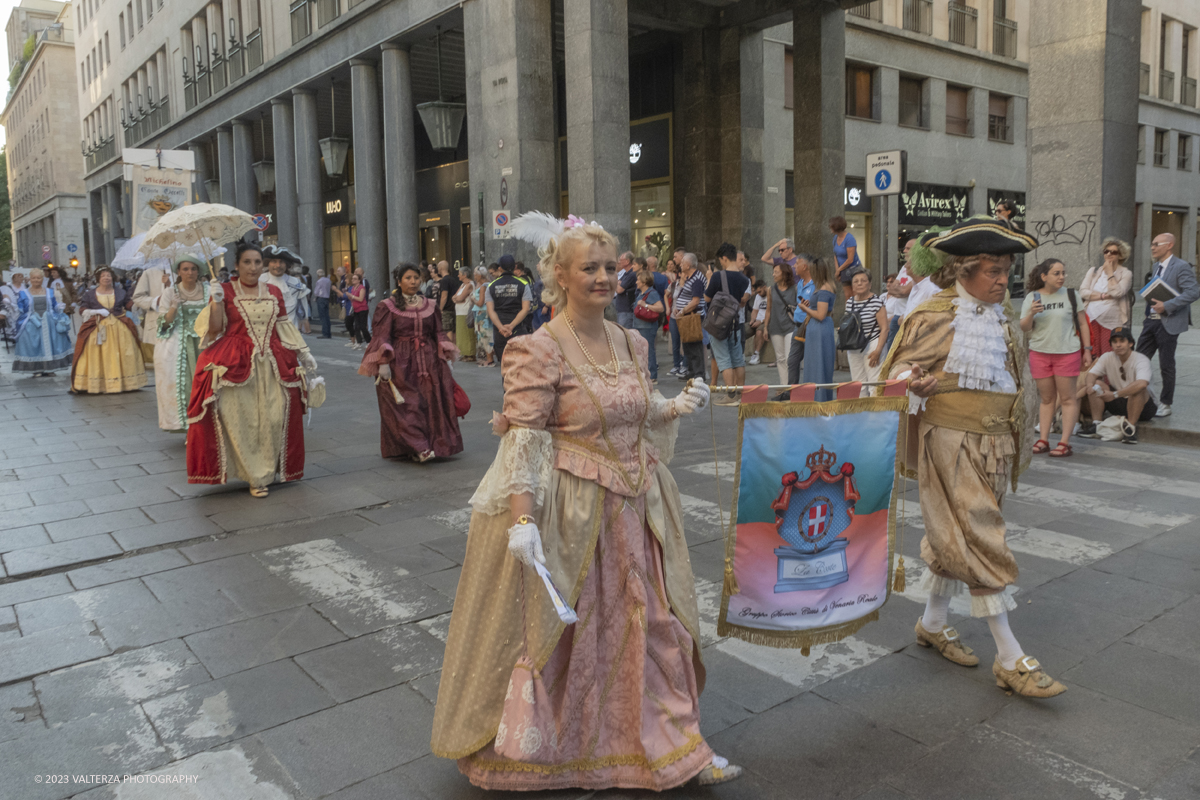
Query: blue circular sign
[
  {"x": 71, "y": 248},
  {"x": 883, "y": 179}
]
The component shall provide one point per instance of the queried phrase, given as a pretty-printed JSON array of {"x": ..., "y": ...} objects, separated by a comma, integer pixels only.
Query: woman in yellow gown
[{"x": 108, "y": 351}]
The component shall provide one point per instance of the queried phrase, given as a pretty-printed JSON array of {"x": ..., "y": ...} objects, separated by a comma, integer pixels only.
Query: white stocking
[
  {"x": 1007, "y": 648},
  {"x": 937, "y": 608}
]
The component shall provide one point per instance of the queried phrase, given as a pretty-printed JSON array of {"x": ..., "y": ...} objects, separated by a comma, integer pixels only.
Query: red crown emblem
[{"x": 821, "y": 461}]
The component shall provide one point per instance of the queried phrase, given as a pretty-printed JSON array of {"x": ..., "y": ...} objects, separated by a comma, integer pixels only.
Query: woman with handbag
[
  {"x": 409, "y": 356},
  {"x": 42, "y": 329},
  {"x": 1105, "y": 290},
  {"x": 781, "y": 305},
  {"x": 688, "y": 313},
  {"x": 820, "y": 345},
  {"x": 867, "y": 309},
  {"x": 647, "y": 312},
  {"x": 108, "y": 351},
  {"x": 600, "y": 689},
  {"x": 464, "y": 315}
]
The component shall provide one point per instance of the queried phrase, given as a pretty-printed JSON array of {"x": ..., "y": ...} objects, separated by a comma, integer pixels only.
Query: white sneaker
[
  {"x": 753, "y": 359},
  {"x": 1163, "y": 411}
]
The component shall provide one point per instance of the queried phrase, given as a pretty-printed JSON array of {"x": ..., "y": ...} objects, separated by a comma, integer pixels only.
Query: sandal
[
  {"x": 1040, "y": 446},
  {"x": 1062, "y": 450}
]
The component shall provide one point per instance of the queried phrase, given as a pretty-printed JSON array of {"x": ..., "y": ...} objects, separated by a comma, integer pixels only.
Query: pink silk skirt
[{"x": 621, "y": 680}]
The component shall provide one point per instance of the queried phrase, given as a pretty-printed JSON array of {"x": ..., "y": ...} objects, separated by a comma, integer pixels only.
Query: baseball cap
[
  {"x": 507, "y": 263},
  {"x": 1121, "y": 332}
]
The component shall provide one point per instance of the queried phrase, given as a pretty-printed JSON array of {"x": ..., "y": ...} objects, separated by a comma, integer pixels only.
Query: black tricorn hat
[
  {"x": 981, "y": 236},
  {"x": 283, "y": 253}
]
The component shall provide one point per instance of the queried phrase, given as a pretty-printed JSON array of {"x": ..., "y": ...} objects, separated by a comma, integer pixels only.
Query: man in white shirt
[
  {"x": 1127, "y": 394},
  {"x": 146, "y": 294}
]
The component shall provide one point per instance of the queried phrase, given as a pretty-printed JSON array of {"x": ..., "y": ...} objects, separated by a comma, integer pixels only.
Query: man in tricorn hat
[
  {"x": 973, "y": 402},
  {"x": 279, "y": 261}
]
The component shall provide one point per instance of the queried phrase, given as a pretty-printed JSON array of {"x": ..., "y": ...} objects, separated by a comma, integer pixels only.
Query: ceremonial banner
[
  {"x": 809, "y": 556},
  {"x": 157, "y": 191}
]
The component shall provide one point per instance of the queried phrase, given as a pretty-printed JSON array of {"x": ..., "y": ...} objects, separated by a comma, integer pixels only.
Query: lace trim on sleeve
[
  {"x": 662, "y": 428},
  {"x": 523, "y": 464}
]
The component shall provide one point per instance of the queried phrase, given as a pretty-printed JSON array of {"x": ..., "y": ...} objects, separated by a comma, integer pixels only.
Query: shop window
[
  {"x": 912, "y": 103},
  {"x": 861, "y": 100},
  {"x": 1161, "y": 145},
  {"x": 999, "y": 129},
  {"x": 958, "y": 110},
  {"x": 651, "y": 206}
]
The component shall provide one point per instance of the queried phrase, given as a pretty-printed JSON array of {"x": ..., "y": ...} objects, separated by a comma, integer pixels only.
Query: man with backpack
[{"x": 726, "y": 295}]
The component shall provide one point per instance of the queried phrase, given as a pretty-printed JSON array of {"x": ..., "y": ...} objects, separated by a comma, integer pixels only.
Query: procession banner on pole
[
  {"x": 809, "y": 550},
  {"x": 157, "y": 191}
]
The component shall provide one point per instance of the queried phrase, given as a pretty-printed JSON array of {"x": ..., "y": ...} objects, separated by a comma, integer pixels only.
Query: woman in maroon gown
[{"x": 409, "y": 358}]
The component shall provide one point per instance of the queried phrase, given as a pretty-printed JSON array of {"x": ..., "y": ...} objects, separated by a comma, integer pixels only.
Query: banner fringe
[{"x": 796, "y": 640}]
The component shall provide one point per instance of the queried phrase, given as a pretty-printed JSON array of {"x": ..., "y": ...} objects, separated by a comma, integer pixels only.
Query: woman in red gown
[
  {"x": 409, "y": 357},
  {"x": 250, "y": 391}
]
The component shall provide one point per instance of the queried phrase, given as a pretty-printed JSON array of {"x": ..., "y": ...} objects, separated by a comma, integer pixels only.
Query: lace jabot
[{"x": 978, "y": 349}]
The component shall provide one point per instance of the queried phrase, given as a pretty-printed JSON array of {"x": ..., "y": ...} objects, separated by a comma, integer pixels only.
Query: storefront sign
[
  {"x": 854, "y": 196},
  {"x": 336, "y": 209},
  {"x": 933, "y": 204},
  {"x": 650, "y": 150},
  {"x": 1018, "y": 198}
]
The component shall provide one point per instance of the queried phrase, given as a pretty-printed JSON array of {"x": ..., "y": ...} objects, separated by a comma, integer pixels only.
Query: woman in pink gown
[{"x": 580, "y": 485}]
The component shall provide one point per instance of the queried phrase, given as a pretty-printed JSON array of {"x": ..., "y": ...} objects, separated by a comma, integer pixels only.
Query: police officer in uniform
[{"x": 508, "y": 306}]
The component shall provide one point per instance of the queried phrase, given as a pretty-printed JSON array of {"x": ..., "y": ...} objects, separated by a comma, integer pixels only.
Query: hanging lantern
[
  {"x": 264, "y": 171},
  {"x": 442, "y": 120},
  {"x": 334, "y": 148}
]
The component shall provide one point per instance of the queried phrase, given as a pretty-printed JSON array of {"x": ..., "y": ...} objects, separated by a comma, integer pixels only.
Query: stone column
[
  {"x": 199, "y": 190},
  {"x": 225, "y": 166},
  {"x": 284, "y": 138},
  {"x": 112, "y": 224},
  {"x": 596, "y": 37},
  {"x": 819, "y": 160},
  {"x": 245, "y": 188},
  {"x": 399, "y": 154},
  {"x": 99, "y": 248},
  {"x": 370, "y": 214},
  {"x": 749, "y": 169},
  {"x": 511, "y": 125},
  {"x": 1082, "y": 144},
  {"x": 308, "y": 181}
]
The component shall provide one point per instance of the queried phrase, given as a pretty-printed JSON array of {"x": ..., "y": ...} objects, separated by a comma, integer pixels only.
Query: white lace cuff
[{"x": 523, "y": 464}]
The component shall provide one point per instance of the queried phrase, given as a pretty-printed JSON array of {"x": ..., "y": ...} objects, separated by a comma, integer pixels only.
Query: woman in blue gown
[
  {"x": 43, "y": 329},
  {"x": 820, "y": 345}
]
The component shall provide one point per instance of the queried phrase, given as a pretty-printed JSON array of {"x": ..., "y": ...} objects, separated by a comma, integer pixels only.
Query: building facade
[
  {"x": 375, "y": 131},
  {"x": 45, "y": 185}
]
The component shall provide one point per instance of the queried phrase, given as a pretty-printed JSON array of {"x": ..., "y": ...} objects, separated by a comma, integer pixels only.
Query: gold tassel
[
  {"x": 730, "y": 587},
  {"x": 898, "y": 581},
  {"x": 804, "y": 651}
]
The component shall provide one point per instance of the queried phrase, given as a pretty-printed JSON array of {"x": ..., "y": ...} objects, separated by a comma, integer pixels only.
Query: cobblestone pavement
[{"x": 290, "y": 647}]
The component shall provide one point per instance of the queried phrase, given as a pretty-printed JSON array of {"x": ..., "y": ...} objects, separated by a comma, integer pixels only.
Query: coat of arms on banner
[
  {"x": 809, "y": 555},
  {"x": 811, "y": 515}
]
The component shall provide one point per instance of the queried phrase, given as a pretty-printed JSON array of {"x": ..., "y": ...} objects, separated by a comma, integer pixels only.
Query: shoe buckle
[
  {"x": 1030, "y": 663},
  {"x": 950, "y": 634}
]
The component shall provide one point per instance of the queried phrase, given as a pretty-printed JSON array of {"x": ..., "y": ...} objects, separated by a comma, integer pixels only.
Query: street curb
[{"x": 1149, "y": 434}]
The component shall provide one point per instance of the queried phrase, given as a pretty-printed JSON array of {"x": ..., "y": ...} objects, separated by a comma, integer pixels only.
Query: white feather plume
[{"x": 536, "y": 227}]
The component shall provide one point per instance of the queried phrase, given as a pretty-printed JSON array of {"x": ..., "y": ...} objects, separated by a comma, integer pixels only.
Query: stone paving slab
[
  {"x": 210, "y": 714},
  {"x": 261, "y": 640},
  {"x": 376, "y": 661},
  {"x": 49, "y": 650},
  {"x": 126, "y": 568},
  {"x": 118, "y": 681}
]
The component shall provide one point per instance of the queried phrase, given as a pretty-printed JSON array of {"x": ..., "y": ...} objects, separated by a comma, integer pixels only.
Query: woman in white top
[
  {"x": 464, "y": 330},
  {"x": 1059, "y": 343},
  {"x": 866, "y": 363},
  {"x": 1105, "y": 290}
]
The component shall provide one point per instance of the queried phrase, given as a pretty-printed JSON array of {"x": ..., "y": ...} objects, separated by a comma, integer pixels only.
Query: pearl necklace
[{"x": 610, "y": 377}]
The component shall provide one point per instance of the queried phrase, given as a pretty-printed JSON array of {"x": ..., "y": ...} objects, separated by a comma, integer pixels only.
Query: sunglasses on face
[{"x": 1112, "y": 252}]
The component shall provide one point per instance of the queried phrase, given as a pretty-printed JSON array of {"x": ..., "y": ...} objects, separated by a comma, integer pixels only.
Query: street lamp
[
  {"x": 264, "y": 171},
  {"x": 334, "y": 148},
  {"x": 442, "y": 120}
]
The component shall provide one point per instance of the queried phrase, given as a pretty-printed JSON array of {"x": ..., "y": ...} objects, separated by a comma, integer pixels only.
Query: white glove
[
  {"x": 692, "y": 398},
  {"x": 525, "y": 544},
  {"x": 216, "y": 293},
  {"x": 385, "y": 372},
  {"x": 307, "y": 361}
]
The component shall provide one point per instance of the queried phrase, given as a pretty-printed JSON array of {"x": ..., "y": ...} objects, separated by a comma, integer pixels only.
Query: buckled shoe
[
  {"x": 1028, "y": 679},
  {"x": 948, "y": 644}
]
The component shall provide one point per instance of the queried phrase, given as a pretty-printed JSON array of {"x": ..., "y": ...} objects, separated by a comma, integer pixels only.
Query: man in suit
[{"x": 1165, "y": 321}]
